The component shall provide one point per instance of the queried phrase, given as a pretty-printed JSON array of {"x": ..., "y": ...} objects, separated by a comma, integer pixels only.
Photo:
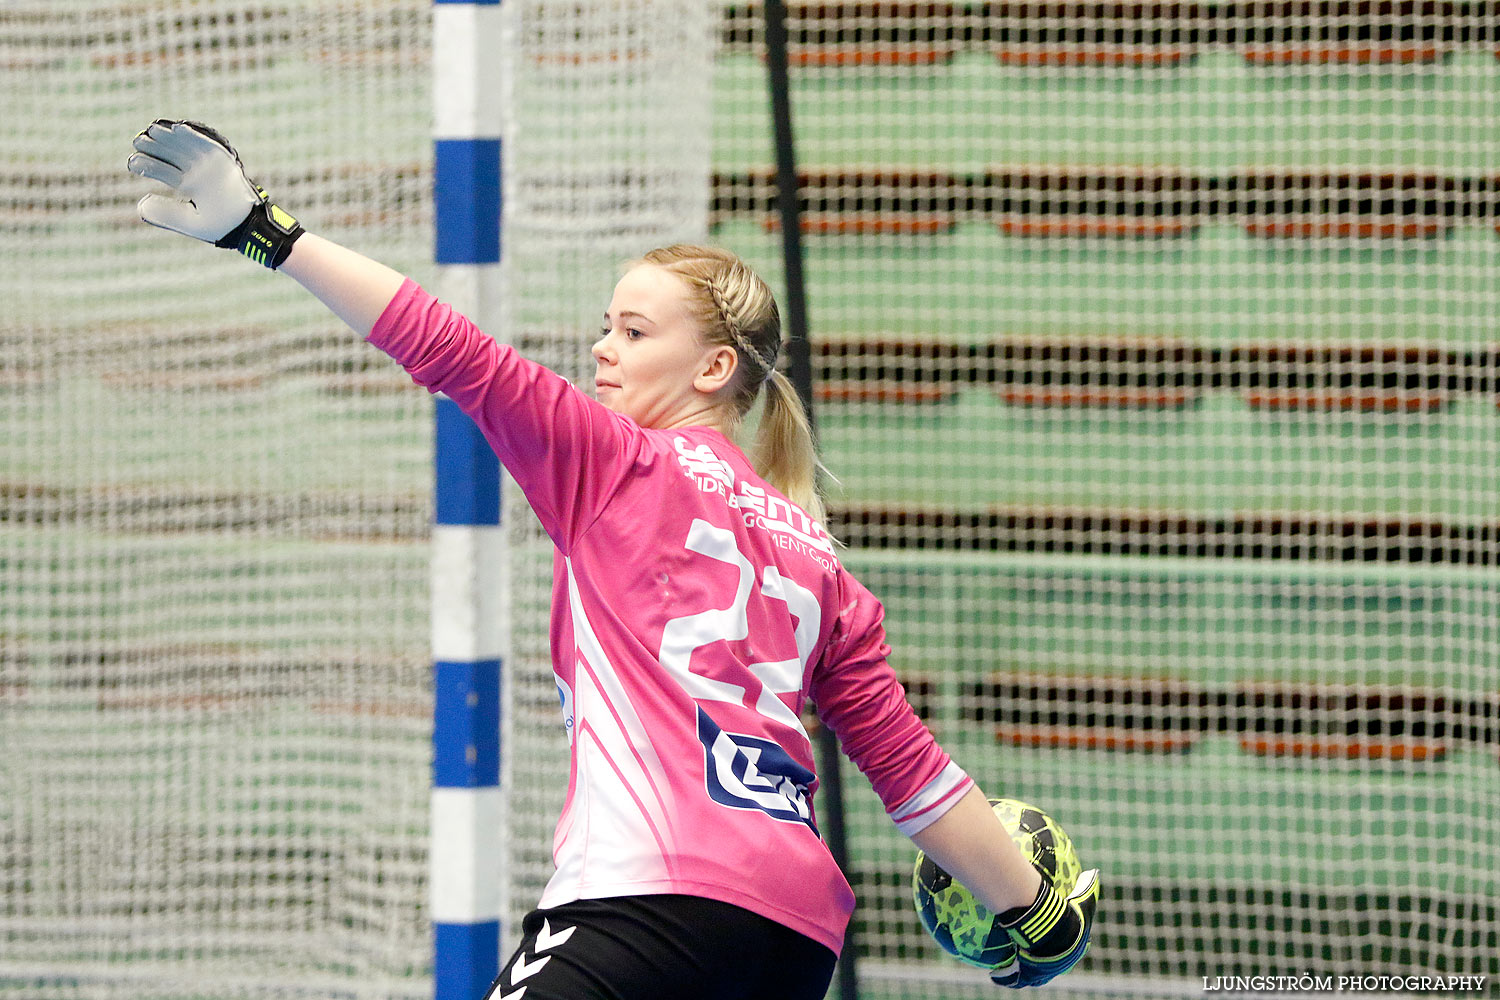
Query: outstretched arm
[
  {"x": 859, "y": 698},
  {"x": 213, "y": 200},
  {"x": 567, "y": 452},
  {"x": 355, "y": 287},
  {"x": 1048, "y": 933}
]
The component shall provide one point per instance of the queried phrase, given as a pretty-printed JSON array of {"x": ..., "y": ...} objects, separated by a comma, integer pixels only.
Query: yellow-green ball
[{"x": 960, "y": 924}]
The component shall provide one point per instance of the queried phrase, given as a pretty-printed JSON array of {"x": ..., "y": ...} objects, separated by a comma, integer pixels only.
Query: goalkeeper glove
[
  {"x": 1052, "y": 933},
  {"x": 1007, "y": 972},
  {"x": 215, "y": 201}
]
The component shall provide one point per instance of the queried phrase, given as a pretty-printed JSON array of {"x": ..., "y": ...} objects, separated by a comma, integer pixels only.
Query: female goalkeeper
[{"x": 697, "y": 604}]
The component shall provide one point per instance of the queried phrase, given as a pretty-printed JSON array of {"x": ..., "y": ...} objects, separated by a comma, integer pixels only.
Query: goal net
[
  {"x": 1153, "y": 348},
  {"x": 214, "y": 505}
]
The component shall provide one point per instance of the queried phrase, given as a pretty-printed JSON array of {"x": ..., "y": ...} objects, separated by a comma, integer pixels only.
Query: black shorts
[{"x": 661, "y": 948}]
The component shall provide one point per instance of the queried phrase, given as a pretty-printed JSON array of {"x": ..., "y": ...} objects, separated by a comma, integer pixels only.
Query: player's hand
[
  {"x": 1052, "y": 934},
  {"x": 212, "y": 199}
]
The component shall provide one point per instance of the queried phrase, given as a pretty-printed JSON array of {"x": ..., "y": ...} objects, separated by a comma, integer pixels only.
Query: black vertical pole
[
  {"x": 799, "y": 354},
  {"x": 799, "y": 357}
]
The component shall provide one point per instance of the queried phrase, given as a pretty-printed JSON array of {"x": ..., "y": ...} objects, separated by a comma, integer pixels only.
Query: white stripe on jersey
[{"x": 616, "y": 814}]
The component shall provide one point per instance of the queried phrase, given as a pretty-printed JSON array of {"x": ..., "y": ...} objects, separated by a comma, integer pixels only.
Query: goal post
[{"x": 469, "y": 578}]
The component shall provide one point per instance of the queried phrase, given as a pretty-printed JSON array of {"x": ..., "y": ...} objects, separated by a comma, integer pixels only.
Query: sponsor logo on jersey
[
  {"x": 749, "y": 772},
  {"x": 565, "y": 695},
  {"x": 758, "y": 508},
  {"x": 702, "y": 463}
]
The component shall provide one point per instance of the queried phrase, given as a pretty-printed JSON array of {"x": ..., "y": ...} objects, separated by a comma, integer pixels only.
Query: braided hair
[{"x": 734, "y": 307}]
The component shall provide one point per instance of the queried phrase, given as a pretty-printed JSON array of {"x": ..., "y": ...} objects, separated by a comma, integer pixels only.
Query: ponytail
[{"x": 784, "y": 454}]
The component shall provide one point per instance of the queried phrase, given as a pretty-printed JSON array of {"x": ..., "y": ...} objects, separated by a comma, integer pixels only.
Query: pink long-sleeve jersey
[{"x": 695, "y": 610}]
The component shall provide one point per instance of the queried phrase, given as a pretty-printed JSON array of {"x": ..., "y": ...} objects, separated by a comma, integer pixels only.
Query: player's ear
[{"x": 716, "y": 369}]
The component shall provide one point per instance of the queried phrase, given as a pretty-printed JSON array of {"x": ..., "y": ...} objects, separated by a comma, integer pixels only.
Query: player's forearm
[
  {"x": 971, "y": 844},
  {"x": 355, "y": 287}
]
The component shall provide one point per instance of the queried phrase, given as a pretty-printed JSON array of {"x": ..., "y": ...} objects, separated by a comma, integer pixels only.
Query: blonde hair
[{"x": 734, "y": 307}]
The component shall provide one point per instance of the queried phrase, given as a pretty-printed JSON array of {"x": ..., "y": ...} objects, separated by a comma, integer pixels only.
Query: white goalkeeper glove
[{"x": 214, "y": 201}]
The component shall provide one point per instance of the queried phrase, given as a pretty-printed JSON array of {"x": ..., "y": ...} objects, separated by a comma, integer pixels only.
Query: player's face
[{"x": 650, "y": 364}]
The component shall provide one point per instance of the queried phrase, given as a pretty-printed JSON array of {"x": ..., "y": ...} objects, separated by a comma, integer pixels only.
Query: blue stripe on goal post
[
  {"x": 469, "y": 627},
  {"x": 468, "y": 473},
  {"x": 461, "y": 953},
  {"x": 466, "y": 200}
]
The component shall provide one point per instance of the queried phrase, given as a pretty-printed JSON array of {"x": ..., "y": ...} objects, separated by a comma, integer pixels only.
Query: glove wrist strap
[
  {"x": 266, "y": 236},
  {"x": 1049, "y": 926}
]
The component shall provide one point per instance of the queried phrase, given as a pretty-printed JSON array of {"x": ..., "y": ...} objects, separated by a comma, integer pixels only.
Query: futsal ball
[{"x": 962, "y": 925}]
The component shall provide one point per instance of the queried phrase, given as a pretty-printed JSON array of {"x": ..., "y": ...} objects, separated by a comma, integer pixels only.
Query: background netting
[
  {"x": 214, "y": 504},
  {"x": 214, "y": 501},
  {"x": 1155, "y": 355}
]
